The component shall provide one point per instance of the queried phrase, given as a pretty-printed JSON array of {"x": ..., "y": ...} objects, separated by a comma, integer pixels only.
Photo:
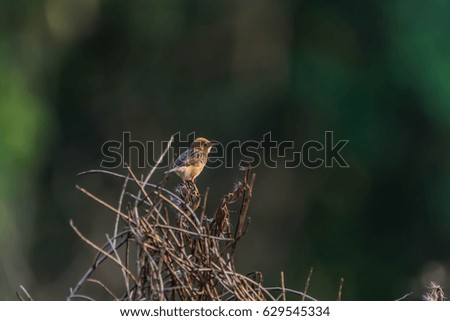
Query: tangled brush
[{"x": 167, "y": 248}]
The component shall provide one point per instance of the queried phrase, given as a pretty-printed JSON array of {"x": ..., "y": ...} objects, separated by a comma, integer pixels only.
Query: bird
[{"x": 191, "y": 163}]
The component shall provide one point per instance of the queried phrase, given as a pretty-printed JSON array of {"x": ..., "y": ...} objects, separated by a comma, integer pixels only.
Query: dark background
[{"x": 74, "y": 74}]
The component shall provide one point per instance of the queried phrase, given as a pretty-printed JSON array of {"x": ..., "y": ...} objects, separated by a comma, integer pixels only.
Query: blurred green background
[{"x": 76, "y": 73}]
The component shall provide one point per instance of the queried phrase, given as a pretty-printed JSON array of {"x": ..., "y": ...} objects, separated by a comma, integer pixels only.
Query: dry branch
[{"x": 181, "y": 253}]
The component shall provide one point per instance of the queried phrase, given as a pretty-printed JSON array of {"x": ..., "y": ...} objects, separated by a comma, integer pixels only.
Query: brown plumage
[{"x": 191, "y": 163}]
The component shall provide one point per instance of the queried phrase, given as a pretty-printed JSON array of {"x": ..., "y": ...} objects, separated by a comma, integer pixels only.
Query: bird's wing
[{"x": 191, "y": 157}]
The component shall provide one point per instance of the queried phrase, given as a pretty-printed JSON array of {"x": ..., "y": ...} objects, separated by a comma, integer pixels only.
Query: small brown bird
[{"x": 191, "y": 163}]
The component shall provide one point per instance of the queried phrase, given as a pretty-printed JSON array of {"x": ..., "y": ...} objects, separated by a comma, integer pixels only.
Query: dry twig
[{"x": 176, "y": 252}]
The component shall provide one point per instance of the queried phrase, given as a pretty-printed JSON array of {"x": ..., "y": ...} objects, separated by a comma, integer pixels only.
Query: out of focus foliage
[{"x": 76, "y": 73}]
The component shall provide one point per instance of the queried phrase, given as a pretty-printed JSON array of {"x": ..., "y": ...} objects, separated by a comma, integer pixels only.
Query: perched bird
[{"x": 191, "y": 163}]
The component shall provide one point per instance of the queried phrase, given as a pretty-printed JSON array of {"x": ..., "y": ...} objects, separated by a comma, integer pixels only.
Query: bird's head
[{"x": 202, "y": 143}]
